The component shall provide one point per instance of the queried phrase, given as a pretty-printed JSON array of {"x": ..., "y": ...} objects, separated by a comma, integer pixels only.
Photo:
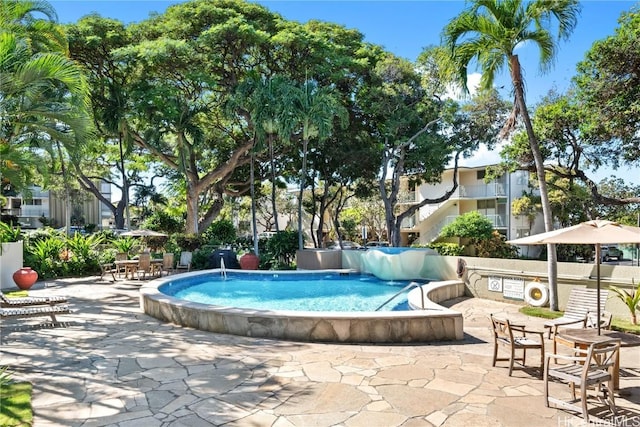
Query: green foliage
[
  {"x": 55, "y": 255},
  {"x": 471, "y": 225},
  {"x": 444, "y": 248},
  {"x": 631, "y": 300},
  {"x": 221, "y": 232},
  {"x": 496, "y": 247},
  {"x": 15, "y": 402},
  {"x": 188, "y": 242},
  {"x": 280, "y": 251},
  {"x": 200, "y": 258},
  {"x": 44, "y": 257},
  {"x": 9, "y": 233},
  {"x": 162, "y": 221},
  {"x": 125, "y": 244}
]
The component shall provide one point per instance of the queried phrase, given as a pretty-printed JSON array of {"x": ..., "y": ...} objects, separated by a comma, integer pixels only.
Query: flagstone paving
[{"x": 108, "y": 364}]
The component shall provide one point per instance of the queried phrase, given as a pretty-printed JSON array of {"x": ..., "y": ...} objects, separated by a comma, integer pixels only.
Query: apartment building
[
  {"x": 39, "y": 203},
  {"x": 491, "y": 199}
]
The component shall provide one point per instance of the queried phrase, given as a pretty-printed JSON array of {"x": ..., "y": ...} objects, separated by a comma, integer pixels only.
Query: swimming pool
[
  {"x": 327, "y": 291},
  {"x": 433, "y": 324}
]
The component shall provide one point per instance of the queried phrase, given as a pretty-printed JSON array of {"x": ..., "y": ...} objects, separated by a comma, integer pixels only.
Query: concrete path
[{"x": 108, "y": 364}]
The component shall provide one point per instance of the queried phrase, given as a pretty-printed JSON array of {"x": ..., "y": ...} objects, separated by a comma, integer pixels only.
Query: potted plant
[{"x": 11, "y": 253}]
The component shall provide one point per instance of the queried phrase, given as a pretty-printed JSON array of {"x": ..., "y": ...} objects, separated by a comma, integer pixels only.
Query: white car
[
  {"x": 377, "y": 245},
  {"x": 346, "y": 244}
]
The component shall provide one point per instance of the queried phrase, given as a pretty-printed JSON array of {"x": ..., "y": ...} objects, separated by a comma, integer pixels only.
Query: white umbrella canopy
[
  {"x": 595, "y": 232},
  {"x": 143, "y": 233}
]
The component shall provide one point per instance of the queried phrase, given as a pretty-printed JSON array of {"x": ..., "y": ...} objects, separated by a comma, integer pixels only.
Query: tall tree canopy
[{"x": 489, "y": 31}]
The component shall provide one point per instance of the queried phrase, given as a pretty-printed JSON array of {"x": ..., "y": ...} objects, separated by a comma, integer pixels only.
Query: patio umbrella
[
  {"x": 143, "y": 233},
  {"x": 594, "y": 232}
]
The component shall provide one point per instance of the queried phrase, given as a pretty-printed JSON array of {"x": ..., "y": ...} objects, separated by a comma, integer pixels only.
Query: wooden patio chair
[
  {"x": 144, "y": 265},
  {"x": 185, "y": 261},
  {"x": 514, "y": 338},
  {"x": 167, "y": 263},
  {"x": 585, "y": 369}
]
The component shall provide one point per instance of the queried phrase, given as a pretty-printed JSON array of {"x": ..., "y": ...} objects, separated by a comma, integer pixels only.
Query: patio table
[{"x": 582, "y": 338}]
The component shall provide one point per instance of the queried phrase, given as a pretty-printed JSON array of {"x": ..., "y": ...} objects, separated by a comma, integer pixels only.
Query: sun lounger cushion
[
  {"x": 45, "y": 310},
  {"x": 30, "y": 301}
]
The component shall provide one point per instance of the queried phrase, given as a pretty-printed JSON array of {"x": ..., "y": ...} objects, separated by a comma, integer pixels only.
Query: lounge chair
[
  {"x": 33, "y": 311},
  {"x": 185, "y": 261},
  {"x": 30, "y": 301},
  {"x": 582, "y": 303}
]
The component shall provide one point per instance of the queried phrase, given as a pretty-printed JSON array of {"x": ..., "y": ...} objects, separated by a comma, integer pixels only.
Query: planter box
[
  {"x": 318, "y": 259},
  {"x": 10, "y": 261}
]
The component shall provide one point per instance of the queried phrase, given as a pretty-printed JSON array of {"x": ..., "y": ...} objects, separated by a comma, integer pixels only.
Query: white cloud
[{"x": 454, "y": 92}]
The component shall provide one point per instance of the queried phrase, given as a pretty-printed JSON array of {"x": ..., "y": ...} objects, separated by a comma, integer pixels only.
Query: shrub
[
  {"x": 280, "y": 251},
  {"x": 220, "y": 232},
  {"x": 447, "y": 249}
]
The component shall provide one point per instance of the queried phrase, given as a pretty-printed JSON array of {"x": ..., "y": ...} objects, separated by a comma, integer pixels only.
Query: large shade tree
[
  {"x": 489, "y": 32},
  {"x": 43, "y": 93}
]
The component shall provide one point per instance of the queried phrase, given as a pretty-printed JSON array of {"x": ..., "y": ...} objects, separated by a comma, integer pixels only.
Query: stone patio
[{"x": 108, "y": 364}]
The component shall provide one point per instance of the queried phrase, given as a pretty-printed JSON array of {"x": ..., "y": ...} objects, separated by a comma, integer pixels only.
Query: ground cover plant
[
  {"x": 15, "y": 401},
  {"x": 617, "y": 324}
]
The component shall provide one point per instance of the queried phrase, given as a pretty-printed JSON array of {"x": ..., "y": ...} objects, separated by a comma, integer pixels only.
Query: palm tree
[
  {"x": 489, "y": 32},
  {"x": 310, "y": 114}
]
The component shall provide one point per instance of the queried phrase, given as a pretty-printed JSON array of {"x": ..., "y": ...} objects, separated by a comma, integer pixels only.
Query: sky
[{"x": 405, "y": 28}]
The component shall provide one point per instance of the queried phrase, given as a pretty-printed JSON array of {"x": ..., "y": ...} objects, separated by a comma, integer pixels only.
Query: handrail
[
  {"x": 223, "y": 269},
  {"x": 410, "y": 285}
]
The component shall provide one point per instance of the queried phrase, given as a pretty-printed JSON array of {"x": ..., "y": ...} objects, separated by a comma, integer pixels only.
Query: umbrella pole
[{"x": 598, "y": 284}]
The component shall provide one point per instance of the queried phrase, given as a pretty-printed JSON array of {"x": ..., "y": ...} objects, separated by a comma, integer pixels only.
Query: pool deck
[{"x": 108, "y": 364}]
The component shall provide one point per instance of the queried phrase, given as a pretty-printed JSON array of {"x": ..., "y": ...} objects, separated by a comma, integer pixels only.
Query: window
[{"x": 480, "y": 175}]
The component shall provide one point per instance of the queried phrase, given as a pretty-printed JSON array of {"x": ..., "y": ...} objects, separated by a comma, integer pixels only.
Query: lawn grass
[
  {"x": 15, "y": 404},
  {"x": 618, "y": 324}
]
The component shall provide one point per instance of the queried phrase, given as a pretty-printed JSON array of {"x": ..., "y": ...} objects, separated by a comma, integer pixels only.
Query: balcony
[
  {"x": 409, "y": 223},
  {"x": 498, "y": 221},
  {"x": 407, "y": 197},
  {"x": 495, "y": 189}
]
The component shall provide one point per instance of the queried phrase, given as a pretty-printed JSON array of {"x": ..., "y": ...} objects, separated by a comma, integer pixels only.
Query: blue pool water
[{"x": 299, "y": 291}]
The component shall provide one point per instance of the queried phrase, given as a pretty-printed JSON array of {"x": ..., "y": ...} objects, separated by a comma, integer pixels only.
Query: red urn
[
  {"x": 25, "y": 278},
  {"x": 249, "y": 261}
]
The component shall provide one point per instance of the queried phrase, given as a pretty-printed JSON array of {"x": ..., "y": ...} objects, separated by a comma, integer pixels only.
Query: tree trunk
[
  {"x": 303, "y": 179},
  {"x": 552, "y": 262},
  {"x": 273, "y": 185},
  {"x": 254, "y": 221}
]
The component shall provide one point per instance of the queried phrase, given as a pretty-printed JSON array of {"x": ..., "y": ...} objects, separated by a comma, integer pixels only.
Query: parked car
[
  {"x": 346, "y": 244},
  {"x": 377, "y": 245},
  {"x": 608, "y": 252}
]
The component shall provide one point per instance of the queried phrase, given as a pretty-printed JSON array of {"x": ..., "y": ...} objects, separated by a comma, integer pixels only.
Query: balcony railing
[
  {"x": 496, "y": 189},
  {"x": 409, "y": 222},
  {"x": 407, "y": 197}
]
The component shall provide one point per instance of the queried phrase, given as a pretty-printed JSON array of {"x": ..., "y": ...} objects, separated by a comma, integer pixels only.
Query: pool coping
[{"x": 435, "y": 323}]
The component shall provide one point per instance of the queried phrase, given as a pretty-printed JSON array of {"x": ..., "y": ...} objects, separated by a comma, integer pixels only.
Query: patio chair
[
  {"x": 581, "y": 302},
  {"x": 587, "y": 368},
  {"x": 108, "y": 268},
  {"x": 121, "y": 269},
  {"x": 144, "y": 265},
  {"x": 30, "y": 301},
  {"x": 167, "y": 263},
  {"x": 503, "y": 334},
  {"x": 185, "y": 261},
  {"x": 33, "y": 311}
]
